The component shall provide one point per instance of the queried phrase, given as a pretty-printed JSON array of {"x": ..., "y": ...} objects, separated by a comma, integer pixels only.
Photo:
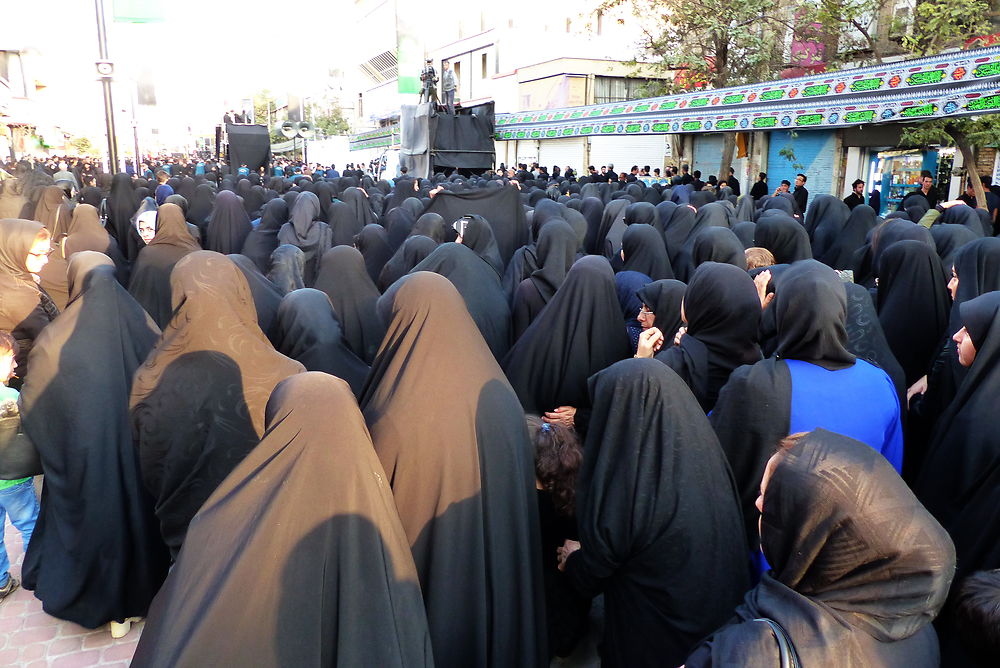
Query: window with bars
[
  {"x": 618, "y": 89},
  {"x": 381, "y": 68}
]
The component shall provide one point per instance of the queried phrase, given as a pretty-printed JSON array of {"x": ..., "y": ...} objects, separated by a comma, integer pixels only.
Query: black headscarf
[
  {"x": 343, "y": 588},
  {"x": 343, "y": 222},
  {"x": 913, "y": 304},
  {"x": 949, "y": 239},
  {"x": 715, "y": 214},
  {"x": 430, "y": 225},
  {"x": 96, "y": 516},
  {"x": 643, "y": 213},
  {"x": 287, "y": 268},
  {"x": 555, "y": 254},
  {"x": 479, "y": 237},
  {"x": 262, "y": 241},
  {"x": 360, "y": 206},
  {"x": 406, "y": 257},
  {"x": 858, "y": 568},
  {"x": 306, "y": 232},
  {"x": 150, "y": 281},
  {"x": 835, "y": 242},
  {"x": 717, "y": 244},
  {"x": 723, "y": 313},
  {"x": 480, "y": 288},
  {"x": 645, "y": 252},
  {"x": 964, "y": 215},
  {"x": 810, "y": 311},
  {"x": 576, "y": 335},
  {"x": 310, "y": 333},
  {"x": 825, "y": 211},
  {"x": 266, "y": 295},
  {"x": 964, "y": 445},
  {"x": 784, "y": 237},
  {"x": 213, "y": 365},
  {"x": 450, "y": 435},
  {"x": 398, "y": 224},
  {"x": 654, "y": 489},
  {"x": 663, "y": 298},
  {"x": 121, "y": 206},
  {"x": 592, "y": 209},
  {"x": 229, "y": 226},
  {"x": 344, "y": 279},
  {"x": 373, "y": 242}
]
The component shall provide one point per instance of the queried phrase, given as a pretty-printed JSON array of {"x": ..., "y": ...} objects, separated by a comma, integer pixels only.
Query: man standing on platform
[
  {"x": 448, "y": 86},
  {"x": 429, "y": 79}
]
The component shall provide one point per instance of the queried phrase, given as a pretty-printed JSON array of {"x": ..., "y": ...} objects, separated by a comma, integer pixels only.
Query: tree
[
  {"x": 329, "y": 120},
  {"x": 939, "y": 24},
  {"x": 82, "y": 145},
  {"x": 265, "y": 107}
]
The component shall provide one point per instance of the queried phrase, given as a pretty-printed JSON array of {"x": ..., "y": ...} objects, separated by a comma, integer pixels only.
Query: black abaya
[
  {"x": 96, "y": 554},
  {"x": 554, "y": 255},
  {"x": 266, "y": 295},
  {"x": 306, "y": 232},
  {"x": 645, "y": 252},
  {"x": 784, "y": 237},
  {"x": 448, "y": 430},
  {"x": 309, "y": 333},
  {"x": 658, "y": 516},
  {"x": 150, "y": 280},
  {"x": 229, "y": 226},
  {"x": 261, "y": 242},
  {"x": 576, "y": 335},
  {"x": 373, "y": 242},
  {"x": 341, "y": 587},
  {"x": 346, "y": 282}
]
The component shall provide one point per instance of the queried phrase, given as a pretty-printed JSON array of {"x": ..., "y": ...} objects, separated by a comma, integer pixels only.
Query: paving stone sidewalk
[{"x": 29, "y": 638}]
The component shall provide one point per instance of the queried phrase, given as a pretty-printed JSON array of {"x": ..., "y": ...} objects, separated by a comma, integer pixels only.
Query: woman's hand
[
  {"x": 650, "y": 342},
  {"x": 680, "y": 335},
  {"x": 761, "y": 280},
  {"x": 562, "y": 553},
  {"x": 919, "y": 387},
  {"x": 563, "y": 415}
]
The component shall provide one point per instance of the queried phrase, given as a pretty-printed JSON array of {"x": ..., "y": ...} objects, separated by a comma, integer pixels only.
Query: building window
[
  {"x": 458, "y": 71},
  {"x": 600, "y": 22},
  {"x": 618, "y": 89},
  {"x": 569, "y": 25},
  {"x": 483, "y": 60}
]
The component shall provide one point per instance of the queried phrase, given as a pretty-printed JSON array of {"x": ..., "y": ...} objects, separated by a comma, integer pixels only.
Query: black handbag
[
  {"x": 18, "y": 455},
  {"x": 786, "y": 650}
]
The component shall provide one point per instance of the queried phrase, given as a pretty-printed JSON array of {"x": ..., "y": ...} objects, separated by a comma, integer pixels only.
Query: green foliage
[
  {"x": 82, "y": 145},
  {"x": 973, "y": 131},
  {"x": 942, "y": 23},
  {"x": 720, "y": 42},
  {"x": 788, "y": 151},
  {"x": 329, "y": 120}
]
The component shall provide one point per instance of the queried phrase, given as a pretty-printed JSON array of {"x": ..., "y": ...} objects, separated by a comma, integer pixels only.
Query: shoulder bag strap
[{"x": 789, "y": 658}]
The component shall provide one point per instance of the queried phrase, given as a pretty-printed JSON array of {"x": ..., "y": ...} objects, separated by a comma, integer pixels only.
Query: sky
[{"x": 205, "y": 56}]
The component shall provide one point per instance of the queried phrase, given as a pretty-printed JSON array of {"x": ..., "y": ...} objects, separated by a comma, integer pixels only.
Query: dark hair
[
  {"x": 696, "y": 174},
  {"x": 732, "y": 171},
  {"x": 786, "y": 182},
  {"x": 8, "y": 344},
  {"x": 856, "y": 182},
  {"x": 977, "y": 614},
  {"x": 558, "y": 455},
  {"x": 986, "y": 180},
  {"x": 762, "y": 176},
  {"x": 804, "y": 178}
]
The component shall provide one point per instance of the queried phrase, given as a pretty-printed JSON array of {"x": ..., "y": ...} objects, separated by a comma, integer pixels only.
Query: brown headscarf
[
  {"x": 53, "y": 212},
  {"x": 85, "y": 232},
  {"x": 24, "y": 307},
  {"x": 198, "y": 401},
  {"x": 150, "y": 283}
]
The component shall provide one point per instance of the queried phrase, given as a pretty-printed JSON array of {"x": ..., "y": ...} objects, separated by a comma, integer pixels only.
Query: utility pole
[{"x": 105, "y": 70}]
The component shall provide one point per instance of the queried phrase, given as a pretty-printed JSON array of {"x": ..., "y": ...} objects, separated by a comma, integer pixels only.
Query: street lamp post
[{"x": 105, "y": 70}]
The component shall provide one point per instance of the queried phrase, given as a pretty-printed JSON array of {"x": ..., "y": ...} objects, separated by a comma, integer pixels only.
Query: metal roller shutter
[
  {"x": 562, "y": 152},
  {"x": 814, "y": 152},
  {"x": 708, "y": 154},
  {"x": 623, "y": 152}
]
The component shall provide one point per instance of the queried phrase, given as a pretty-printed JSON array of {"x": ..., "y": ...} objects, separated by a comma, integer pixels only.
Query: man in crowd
[
  {"x": 801, "y": 195},
  {"x": 857, "y": 195}
]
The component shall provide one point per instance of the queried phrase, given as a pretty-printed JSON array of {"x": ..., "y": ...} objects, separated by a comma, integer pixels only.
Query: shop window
[{"x": 618, "y": 89}]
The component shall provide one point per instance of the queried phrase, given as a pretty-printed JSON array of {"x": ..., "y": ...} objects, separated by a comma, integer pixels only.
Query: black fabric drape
[
  {"x": 501, "y": 207},
  {"x": 479, "y": 237},
  {"x": 96, "y": 554},
  {"x": 266, "y": 295},
  {"x": 373, "y": 242},
  {"x": 343, "y": 222},
  {"x": 197, "y": 404},
  {"x": 406, "y": 257},
  {"x": 717, "y": 244},
  {"x": 450, "y": 435},
  {"x": 859, "y": 568},
  {"x": 784, "y": 237},
  {"x": 654, "y": 489},
  {"x": 306, "y": 232},
  {"x": 835, "y": 242},
  {"x": 344, "y": 279},
  {"x": 311, "y": 502}
]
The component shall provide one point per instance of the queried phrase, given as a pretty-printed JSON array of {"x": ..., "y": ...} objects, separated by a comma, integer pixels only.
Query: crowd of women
[{"x": 428, "y": 422}]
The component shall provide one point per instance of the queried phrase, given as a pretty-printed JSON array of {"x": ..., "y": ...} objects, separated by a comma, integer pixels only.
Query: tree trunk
[
  {"x": 972, "y": 171},
  {"x": 728, "y": 149}
]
